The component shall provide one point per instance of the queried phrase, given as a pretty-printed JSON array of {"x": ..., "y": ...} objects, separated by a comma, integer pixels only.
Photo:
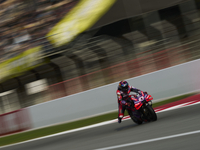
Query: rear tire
[{"x": 137, "y": 121}]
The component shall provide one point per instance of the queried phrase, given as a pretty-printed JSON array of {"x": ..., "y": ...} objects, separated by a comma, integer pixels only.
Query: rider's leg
[{"x": 121, "y": 112}]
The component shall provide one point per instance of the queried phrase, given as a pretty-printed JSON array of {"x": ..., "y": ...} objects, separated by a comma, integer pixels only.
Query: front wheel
[{"x": 150, "y": 113}]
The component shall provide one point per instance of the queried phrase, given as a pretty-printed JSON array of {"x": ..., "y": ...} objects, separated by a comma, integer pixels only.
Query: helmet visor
[{"x": 125, "y": 89}]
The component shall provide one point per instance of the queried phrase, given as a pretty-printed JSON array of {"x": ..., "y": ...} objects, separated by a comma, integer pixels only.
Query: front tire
[{"x": 150, "y": 113}]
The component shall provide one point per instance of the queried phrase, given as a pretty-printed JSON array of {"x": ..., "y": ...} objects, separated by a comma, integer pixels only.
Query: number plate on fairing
[{"x": 141, "y": 98}]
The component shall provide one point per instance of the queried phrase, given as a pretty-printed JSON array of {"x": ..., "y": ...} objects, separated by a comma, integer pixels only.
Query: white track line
[
  {"x": 150, "y": 140},
  {"x": 95, "y": 125}
]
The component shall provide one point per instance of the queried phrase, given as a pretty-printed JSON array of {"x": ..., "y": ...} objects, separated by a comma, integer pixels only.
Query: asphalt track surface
[{"x": 175, "y": 129}]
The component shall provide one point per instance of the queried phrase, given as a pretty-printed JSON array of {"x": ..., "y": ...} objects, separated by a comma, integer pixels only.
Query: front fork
[{"x": 144, "y": 111}]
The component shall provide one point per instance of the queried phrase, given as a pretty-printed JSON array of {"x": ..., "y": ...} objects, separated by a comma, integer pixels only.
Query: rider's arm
[
  {"x": 119, "y": 97},
  {"x": 133, "y": 89}
]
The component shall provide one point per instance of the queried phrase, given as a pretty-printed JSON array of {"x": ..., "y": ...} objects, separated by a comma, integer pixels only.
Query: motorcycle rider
[{"x": 123, "y": 92}]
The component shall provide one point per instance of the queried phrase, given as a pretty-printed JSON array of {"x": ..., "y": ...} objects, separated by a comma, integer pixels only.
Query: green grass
[{"x": 15, "y": 138}]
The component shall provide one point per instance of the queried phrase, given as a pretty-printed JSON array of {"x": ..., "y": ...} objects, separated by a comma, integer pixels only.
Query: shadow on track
[{"x": 132, "y": 125}]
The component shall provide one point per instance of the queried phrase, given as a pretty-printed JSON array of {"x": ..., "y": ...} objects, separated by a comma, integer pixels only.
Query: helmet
[{"x": 123, "y": 85}]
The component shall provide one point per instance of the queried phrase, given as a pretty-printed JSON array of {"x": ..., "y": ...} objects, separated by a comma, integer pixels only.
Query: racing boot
[{"x": 120, "y": 118}]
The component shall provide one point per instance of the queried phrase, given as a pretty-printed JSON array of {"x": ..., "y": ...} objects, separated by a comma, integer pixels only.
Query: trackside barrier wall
[
  {"x": 14, "y": 121},
  {"x": 161, "y": 84}
]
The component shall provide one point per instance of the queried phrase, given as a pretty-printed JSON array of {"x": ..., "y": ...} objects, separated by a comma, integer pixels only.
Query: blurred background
[{"x": 125, "y": 42}]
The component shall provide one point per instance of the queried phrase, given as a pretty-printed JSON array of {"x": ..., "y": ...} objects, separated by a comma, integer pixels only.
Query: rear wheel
[
  {"x": 150, "y": 113},
  {"x": 137, "y": 121}
]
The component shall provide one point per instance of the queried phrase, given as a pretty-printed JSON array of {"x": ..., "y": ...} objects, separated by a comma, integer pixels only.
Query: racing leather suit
[{"x": 122, "y": 99}]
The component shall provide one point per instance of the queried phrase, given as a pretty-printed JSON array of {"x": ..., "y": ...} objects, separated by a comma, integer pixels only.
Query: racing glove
[{"x": 140, "y": 92}]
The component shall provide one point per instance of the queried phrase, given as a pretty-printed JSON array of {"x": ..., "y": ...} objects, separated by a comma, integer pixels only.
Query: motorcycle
[{"x": 140, "y": 109}]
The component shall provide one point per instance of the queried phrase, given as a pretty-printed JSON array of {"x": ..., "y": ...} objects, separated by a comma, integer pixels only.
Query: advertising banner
[
  {"x": 79, "y": 19},
  {"x": 21, "y": 63}
]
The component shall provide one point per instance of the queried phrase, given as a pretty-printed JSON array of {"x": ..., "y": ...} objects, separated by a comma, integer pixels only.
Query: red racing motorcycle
[{"x": 140, "y": 109}]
